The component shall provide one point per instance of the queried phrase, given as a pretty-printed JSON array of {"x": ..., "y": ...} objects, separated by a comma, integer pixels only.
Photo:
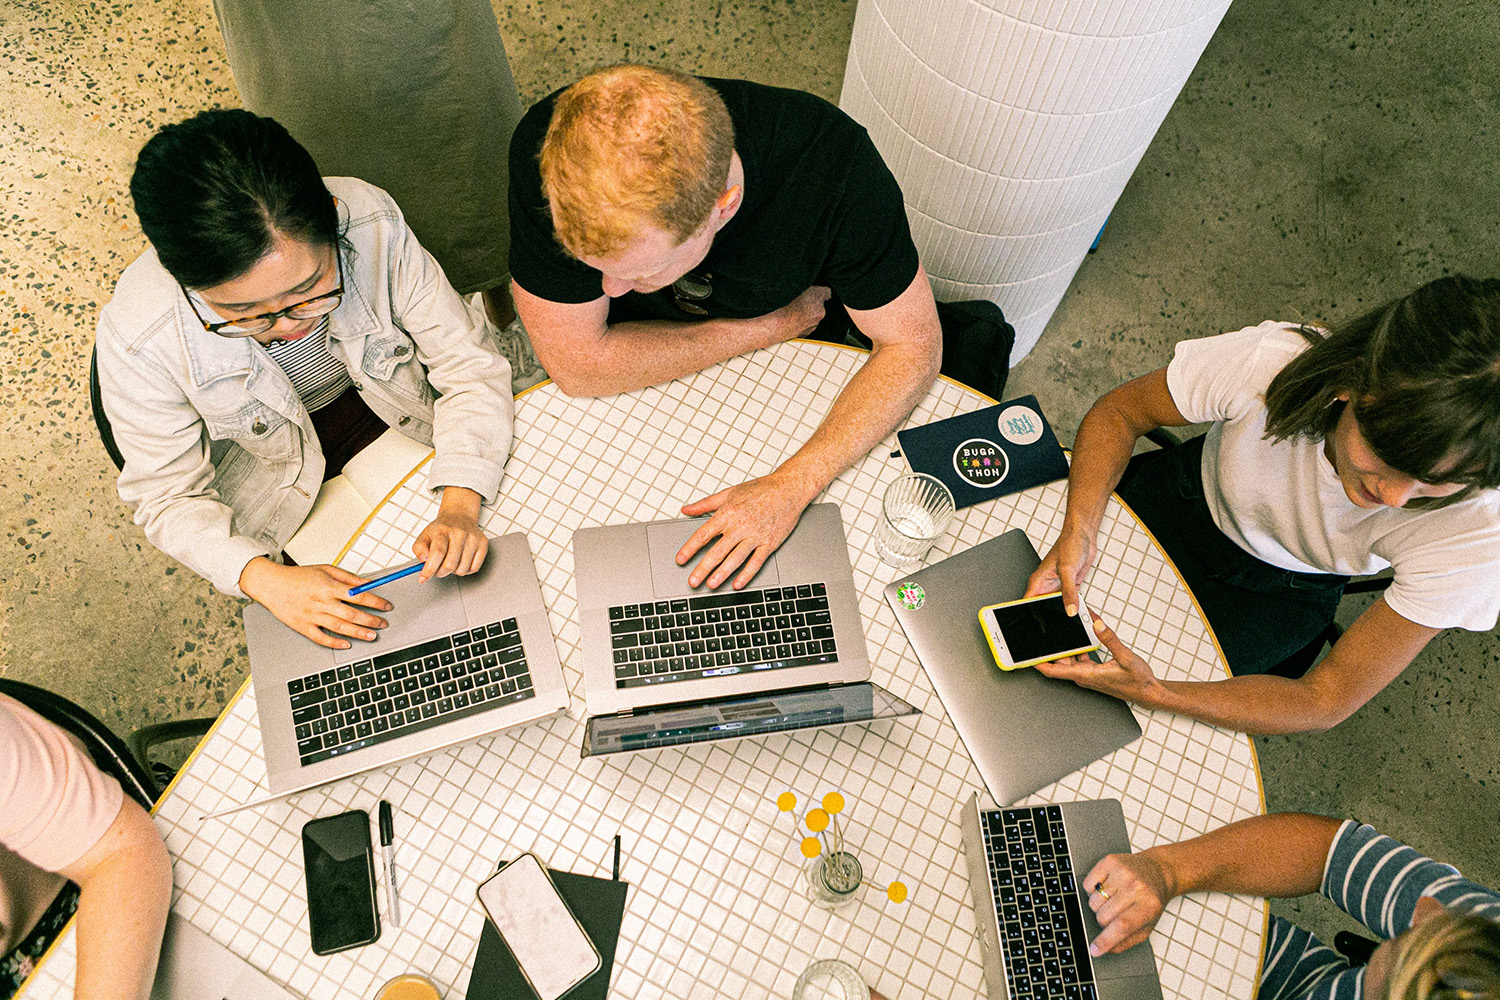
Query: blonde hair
[
  {"x": 632, "y": 145},
  {"x": 1450, "y": 956}
]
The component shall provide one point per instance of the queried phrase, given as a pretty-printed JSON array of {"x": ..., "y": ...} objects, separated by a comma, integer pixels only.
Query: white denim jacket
[{"x": 221, "y": 460}]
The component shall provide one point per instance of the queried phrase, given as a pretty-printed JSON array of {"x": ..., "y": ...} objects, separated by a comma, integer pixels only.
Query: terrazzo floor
[{"x": 1322, "y": 158}]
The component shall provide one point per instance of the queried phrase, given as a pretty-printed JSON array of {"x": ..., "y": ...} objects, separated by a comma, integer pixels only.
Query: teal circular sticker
[{"x": 911, "y": 595}]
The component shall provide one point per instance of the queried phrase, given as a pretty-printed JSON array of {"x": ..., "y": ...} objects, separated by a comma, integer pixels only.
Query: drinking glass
[
  {"x": 914, "y": 514},
  {"x": 830, "y": 979}
]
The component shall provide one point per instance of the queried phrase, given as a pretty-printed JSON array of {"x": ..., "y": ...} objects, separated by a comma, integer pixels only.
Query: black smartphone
[{"x": 340, "y": 865}]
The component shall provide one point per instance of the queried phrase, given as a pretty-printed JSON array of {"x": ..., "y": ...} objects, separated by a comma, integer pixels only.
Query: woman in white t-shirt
[{"x": 1331, "y": 454}]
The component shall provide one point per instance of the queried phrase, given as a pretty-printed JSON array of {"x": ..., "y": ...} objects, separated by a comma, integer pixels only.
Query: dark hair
[
  {"x": 1422, "y": 375},
  {"x": 212, "y": 191}
]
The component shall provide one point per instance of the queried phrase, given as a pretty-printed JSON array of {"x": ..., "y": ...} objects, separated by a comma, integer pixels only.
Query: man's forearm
[
  {"x": 1280, "y": 856},
  {"x": 649, "y": 352},
  {"x": 877, "y": 398}
]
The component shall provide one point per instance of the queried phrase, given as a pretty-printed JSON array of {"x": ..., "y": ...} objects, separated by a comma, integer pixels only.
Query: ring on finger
[{"x": 1099, "y": 888}]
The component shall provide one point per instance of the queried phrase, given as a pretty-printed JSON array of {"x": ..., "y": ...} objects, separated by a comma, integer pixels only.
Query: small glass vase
[{"x": 834, "y": 879}]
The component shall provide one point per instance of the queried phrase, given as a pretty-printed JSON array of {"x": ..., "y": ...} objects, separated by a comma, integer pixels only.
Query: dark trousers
[
  {"x": 1260, "y": 613},
  {"x": 345, "y": 427}
]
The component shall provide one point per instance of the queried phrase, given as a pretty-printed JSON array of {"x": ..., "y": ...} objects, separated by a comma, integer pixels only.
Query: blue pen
[{"x": 388, "y": 578}]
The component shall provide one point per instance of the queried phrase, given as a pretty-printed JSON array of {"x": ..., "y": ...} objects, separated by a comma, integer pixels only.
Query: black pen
[{"x": 387, "y": 838}]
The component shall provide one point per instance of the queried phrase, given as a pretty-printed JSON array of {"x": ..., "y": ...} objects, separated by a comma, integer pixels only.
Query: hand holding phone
[
  {"x": 340, "y": 867},
  {"x": 545, "y": 938},
  {"x": 1035, "y": 630}
]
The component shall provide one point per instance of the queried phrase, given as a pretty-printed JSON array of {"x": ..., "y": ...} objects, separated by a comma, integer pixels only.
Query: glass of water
[
  {"x": 914, "y": 514},
  {"x": 830, "y": 979}
]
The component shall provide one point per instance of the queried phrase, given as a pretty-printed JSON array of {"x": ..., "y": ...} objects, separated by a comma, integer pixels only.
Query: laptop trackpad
[
  {"x": 668, "y": 579},
  {"x": 422, "y": 611}
]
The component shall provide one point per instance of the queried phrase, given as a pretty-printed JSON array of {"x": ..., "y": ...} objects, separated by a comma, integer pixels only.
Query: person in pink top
[{"x": 63, "y": 820}]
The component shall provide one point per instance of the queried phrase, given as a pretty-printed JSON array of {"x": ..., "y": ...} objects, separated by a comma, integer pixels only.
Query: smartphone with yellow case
[{"x": 1035, "y": 630}]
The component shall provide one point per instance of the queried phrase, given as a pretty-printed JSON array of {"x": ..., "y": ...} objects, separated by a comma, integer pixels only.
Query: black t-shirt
[{"x": 820, "y": 208}]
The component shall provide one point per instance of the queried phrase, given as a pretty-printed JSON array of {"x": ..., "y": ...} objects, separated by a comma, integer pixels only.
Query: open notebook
[{"x": 346, "y": 500}]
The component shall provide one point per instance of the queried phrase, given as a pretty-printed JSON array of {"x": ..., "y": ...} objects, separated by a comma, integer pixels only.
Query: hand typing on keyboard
[{"x": 1134, "y": 892}]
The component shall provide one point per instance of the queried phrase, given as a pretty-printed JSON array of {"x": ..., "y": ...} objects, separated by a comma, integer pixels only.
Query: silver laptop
[
  {"x": 1023, "y": 730},
  {"x": 650, "y": 639},
  {"x": 462, "y": 657},
  {"x": 1026, "y": 873},
  {"x": 194, "y": 966},
  {"x": 737, "y": 718}
]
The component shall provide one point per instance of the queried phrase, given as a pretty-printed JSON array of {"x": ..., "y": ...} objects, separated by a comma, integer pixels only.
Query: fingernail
[
  {"x": 343, "y": 645},
  {"x": 1094, "y": 950}
]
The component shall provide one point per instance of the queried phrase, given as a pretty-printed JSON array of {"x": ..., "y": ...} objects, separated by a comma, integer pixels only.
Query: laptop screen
[{"x": 733, "y": 718}]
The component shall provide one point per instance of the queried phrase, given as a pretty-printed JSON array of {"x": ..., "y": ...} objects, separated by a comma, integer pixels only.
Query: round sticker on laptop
[
  {"x": 981, "y": 463},
  {"x": 911, "y": 595},
  {"x": 1020, "y": 425}
]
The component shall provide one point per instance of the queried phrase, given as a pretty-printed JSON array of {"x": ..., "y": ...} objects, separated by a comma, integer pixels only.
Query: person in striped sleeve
[{"x": 1440, "y": 932}]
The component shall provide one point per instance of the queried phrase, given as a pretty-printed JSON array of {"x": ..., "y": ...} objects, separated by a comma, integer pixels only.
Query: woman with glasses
[{"x": 280, "y": 323}]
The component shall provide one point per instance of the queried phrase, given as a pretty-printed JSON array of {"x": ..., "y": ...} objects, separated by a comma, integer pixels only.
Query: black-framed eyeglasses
[
  {"x": 249, "y": 326},
  {"x": 691, "y": 289}
]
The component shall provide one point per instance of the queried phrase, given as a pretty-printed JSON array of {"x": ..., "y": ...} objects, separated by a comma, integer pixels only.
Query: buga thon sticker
[{"x": 980, "y": 463}]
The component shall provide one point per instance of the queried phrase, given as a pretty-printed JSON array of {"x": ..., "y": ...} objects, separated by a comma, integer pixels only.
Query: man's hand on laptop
[
  {"x": 750, "y": 520},
  {"x": 309, "y": 599},
  {"x": 1127, "y": 893},
  {"x": 1124, "y": 675}
]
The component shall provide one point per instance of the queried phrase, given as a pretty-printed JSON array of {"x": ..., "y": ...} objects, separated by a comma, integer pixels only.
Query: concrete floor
[{"x": 1322, "y": 158}]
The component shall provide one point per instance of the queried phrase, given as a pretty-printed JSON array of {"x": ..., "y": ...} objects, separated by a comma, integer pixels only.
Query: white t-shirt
[{"x": 1283, "y": 503}]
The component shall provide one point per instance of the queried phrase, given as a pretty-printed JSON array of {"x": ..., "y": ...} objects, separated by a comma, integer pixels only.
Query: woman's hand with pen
[
  {"x": 312, "y": 599},
  {"x": 453, "y": 543}
]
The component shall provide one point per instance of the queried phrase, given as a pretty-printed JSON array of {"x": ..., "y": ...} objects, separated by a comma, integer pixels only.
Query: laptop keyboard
[
  {"x": 1042, "y": 933},
  {"x": 403, "y": 692},
  {"x": 715, "y": 635}
]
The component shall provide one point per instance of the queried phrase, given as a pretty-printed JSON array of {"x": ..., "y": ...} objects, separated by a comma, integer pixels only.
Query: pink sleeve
[{"x": 55, "y": 803}]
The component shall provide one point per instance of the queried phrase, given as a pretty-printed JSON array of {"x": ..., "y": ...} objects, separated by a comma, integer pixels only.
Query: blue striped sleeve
[
  {"x": 1377, "y": 881},
  {"x": 1298, "y": 965}
]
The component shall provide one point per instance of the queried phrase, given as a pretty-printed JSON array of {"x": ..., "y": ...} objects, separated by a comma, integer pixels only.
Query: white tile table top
[{"x": 715, "y": 908}]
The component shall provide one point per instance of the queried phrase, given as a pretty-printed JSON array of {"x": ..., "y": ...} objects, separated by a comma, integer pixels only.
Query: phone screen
[
  {"x": 539, "y": 929},
  {"x": 1040, "y": 629},
  {"x": 340, "y": 866}
]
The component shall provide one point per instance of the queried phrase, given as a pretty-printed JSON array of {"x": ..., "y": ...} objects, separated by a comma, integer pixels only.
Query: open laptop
[
  {"x": 462, "y": 657},
  {"x": 194, "y": 966},
  {"x": 664, "y": 663},
  {"x": 1023, "y": 730},
  {"x": 1026, "y": 871}
]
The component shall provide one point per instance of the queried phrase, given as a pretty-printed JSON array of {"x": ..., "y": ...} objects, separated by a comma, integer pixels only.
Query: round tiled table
[{"x": 716, "y": 907}]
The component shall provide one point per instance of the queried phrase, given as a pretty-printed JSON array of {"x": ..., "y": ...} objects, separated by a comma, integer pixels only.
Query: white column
[{"x": 1013, "y": 125}]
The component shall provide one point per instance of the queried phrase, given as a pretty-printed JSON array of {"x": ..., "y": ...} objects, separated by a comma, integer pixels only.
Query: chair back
[
  {"x": 107, "y": 749},
  {"x": 101, "y": 419}
]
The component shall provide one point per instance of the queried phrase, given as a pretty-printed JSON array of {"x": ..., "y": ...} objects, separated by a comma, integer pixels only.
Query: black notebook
[
  {"x": 988, "y": 453},
  {"x": 599, "y": 905}
]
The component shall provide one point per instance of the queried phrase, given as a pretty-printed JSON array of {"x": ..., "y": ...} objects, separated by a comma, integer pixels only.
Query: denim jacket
[{"x": 221, "y": 460}]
